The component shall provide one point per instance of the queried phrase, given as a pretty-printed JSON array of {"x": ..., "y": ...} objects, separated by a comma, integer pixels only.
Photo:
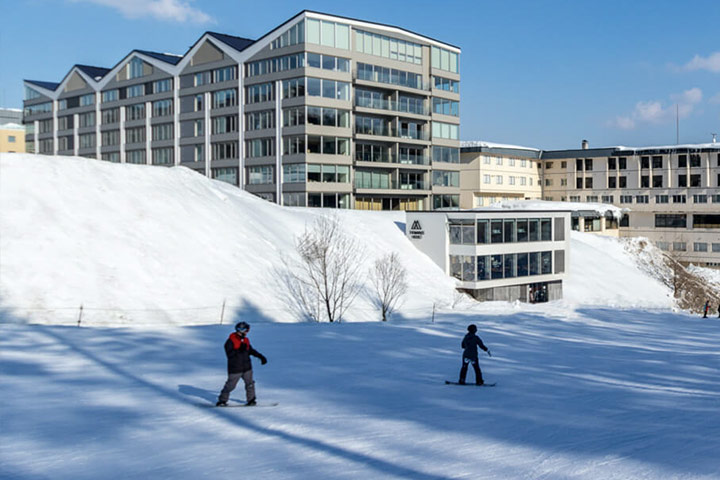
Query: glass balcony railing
[
  {"x": 392, "y": 105},
  {"x": 384, "y": 183},
  {"x": 387, "y": 131},
  {"x": 402, "y": 159},
  {"x": 410, "y": 81}
]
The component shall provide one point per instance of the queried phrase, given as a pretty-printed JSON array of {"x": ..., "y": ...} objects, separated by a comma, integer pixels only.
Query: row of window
[
  {"x": 620, "y": 163},
  {"x": 301, "y": 173},
  {"x": 512, "y": 162},
  {"x": 512, "y": 180},
  {"x": 509, "y": 230},
  {"x": 682, "y": 246},
  {"x": 470, "y": 268},
  {"x": 297, "y": 60},
  {"x": 207, "y": 77},
  {"x": 391, "y": 76},
  {"x": 679, "y": 220},
  {"x": 388, "y": 47},
  {"x": 444, "y": 59}
]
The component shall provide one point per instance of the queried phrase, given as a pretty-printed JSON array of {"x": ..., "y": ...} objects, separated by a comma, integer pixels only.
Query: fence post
[
  {"x": 222, "y": 312},
  {"x": 80, "y": 316},
  {"x": 433, "y": 315}
]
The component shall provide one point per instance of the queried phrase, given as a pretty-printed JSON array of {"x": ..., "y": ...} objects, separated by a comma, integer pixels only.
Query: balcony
[
  {"x": 402, "y": 159},
  {"x": 384, "y": 183},
  {"x": 392, "y": 105},
  {"x": 390, "y": 131},
  {"x": 391, "y": 79}
]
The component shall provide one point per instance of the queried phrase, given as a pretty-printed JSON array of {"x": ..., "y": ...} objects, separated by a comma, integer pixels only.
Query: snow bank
[{"x": 135, "y": 244}]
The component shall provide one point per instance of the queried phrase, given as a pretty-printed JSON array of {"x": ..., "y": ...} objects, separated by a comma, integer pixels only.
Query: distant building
[
  {"x": 672, "y": 192},
  {"x": 497, "y": 254},
  {"x": 321, "y": 111},
  {"x": 492, "y": 172}
]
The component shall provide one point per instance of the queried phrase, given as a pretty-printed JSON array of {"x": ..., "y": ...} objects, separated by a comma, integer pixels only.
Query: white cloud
[
  {"x": 169, "y": 10},
  {"x": 656, "y": 111},
  {"x": 710, "y": 63}
]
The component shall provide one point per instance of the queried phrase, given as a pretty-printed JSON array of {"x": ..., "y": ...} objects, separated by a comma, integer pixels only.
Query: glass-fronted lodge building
[{"x": 497, "y": 254}]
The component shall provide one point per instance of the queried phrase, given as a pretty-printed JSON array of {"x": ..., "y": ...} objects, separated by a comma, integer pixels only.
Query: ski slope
[
  {"x": 607, "y": 393},
  {"x": 607, "y": 383}
]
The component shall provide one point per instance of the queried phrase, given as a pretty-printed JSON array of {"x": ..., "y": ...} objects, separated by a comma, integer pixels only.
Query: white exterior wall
[{"x": 434, "y": 241}]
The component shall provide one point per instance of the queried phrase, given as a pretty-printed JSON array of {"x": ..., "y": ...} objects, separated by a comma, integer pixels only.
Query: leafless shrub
[
  {"x": 389, "y": 278},
  {"x": 326, "y": 280}
]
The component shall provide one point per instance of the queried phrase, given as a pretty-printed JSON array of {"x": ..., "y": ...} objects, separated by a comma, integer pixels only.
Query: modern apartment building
[
  {"x": 672, "y": 192},
  {"x": 495, "y": 254},
  {"x": 321, "y": 111},
  {"x": 492, "y": 172}
]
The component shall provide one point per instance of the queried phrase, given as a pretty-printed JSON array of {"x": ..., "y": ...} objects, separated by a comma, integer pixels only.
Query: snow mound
[{"x": 135, "y": 244}]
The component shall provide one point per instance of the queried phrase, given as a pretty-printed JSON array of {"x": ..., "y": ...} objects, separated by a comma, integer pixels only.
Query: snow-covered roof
[
  {"x": 598, "y": 208},
  {"x": 484, "y": 144},
  {"x": 12, "y": 126}
]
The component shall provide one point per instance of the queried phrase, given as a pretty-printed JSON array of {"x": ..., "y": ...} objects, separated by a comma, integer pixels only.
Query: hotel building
[
  {"x": 672, "y": 192},
  {"x": 322, "y": 111}
]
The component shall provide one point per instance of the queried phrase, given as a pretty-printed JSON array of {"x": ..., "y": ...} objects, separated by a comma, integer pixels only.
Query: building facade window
[
  {"x": 162, "y": 132},
  {"x": 260, "y": 175},
  {"x": 224, "y": 150},
  {"x": 260, "y": 120},
  {"x": 162, "y": 108},
  {"x": 162, "y": 156},
  {"x": 388, "y": 47},
  {"x": 224, "y": 98},
  {"x": 443, "y": 59}
]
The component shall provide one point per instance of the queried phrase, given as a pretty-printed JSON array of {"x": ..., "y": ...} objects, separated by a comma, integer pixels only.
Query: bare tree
[
  {"x": 390, "y": 281},
  {"x": 328, "y": 277}
]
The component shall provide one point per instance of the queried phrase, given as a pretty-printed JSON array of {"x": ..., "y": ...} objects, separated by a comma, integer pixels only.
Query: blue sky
[{"x": 538, "y": 73}]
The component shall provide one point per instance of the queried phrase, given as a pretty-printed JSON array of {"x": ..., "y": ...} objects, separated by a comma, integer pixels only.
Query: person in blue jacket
[{"x": 470, "y": 344}]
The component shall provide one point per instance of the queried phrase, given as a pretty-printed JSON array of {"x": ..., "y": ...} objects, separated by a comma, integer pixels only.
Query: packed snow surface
[{"x": 607, "y": 383}]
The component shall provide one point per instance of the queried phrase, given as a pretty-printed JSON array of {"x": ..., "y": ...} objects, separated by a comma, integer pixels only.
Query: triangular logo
[{"x": 416, "y": 225}]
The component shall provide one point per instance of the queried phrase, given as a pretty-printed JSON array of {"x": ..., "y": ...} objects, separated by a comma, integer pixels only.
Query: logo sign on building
[{"x": 416, "y": 230}]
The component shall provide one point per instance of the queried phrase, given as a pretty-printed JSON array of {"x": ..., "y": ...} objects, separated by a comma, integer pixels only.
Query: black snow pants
[{"x": 476, "y": 367}]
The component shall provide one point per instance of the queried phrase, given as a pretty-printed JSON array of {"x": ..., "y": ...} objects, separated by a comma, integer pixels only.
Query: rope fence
[{"x": 224, "y": 313}]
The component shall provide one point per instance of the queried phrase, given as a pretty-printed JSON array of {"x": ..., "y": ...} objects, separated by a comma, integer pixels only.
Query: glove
[
  {"x": 489, "y": 354},
  {"x": 263, "y": 360}
]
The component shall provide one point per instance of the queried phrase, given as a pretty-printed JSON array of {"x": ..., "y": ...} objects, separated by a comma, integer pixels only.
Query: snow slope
[
  {"x": 611, "y": 394},
  {"x": 137, "y": 245}
]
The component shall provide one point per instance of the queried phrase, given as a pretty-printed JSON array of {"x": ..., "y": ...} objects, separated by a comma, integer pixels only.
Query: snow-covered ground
[
  {"x": 144, "y": 245},
  {"x": 607, "y": 393},
  {"x": 608, "y": 383}
]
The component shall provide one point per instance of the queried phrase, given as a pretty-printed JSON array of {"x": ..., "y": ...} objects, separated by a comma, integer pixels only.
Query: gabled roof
[
  {"x": 93, "y": 72},
  {"x": 45, "y": 85},
  {"x": 238, "y": 43},
  {"x": 163, "y": 57}
]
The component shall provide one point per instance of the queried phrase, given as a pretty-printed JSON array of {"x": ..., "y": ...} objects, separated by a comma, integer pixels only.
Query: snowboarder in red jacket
[
  {"x": 470, "y": 344},
  {"x": 238, "y": 351}
]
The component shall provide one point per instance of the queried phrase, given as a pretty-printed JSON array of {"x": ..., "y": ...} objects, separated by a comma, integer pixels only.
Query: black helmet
[
  {"x": 472, "y": 328},
  {"x": 242, "y": 327}
]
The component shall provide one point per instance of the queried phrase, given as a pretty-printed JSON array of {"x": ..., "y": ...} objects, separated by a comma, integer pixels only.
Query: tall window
[
  {"x": 224, "y": 98},
  {"x": 444, "y": 59},
  {"x": 162, "y": 108},
  {"x": 329, "y": 34},
  {"x": 135, "y": 69},
  {"x": 388, "y": 47},
  {"x": 260, "y": 175},
  {"x": 162, "y": 156}
]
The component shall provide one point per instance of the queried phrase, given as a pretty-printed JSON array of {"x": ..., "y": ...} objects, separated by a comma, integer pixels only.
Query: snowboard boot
[
  {"x": 480, "y": 383},
  {"x": 251, "y": 403},
  {"x": 221, "y": 404}
]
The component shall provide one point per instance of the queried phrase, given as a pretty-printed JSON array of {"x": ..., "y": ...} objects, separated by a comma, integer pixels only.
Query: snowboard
[
  {"x": 448, "y": 382},
  {"x": 237, "y": 405}
]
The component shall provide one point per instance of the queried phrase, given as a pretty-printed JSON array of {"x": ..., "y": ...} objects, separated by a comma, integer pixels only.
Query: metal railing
[{"x": 392, "y": 105}]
